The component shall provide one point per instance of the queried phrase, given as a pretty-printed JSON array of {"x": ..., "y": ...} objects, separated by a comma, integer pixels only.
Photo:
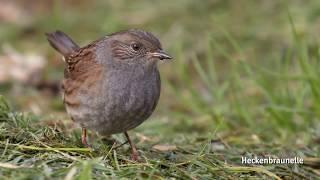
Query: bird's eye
[{"x": 135, "y": 46}]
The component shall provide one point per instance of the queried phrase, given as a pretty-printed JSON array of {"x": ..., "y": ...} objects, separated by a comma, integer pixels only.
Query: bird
[{"x": 111, "y": 85}]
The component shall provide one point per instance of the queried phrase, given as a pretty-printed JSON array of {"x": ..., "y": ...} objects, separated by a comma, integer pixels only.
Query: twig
[
  {"x": 49, "y": 148},
  {"x": 11, "y": 166}
]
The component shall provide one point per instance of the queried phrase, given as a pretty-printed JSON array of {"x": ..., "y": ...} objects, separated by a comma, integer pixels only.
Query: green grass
[{"x": 244, "y": 82}]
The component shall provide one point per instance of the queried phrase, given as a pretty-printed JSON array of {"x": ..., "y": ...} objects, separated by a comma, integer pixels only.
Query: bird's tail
[{"x": 62, "y": 42}]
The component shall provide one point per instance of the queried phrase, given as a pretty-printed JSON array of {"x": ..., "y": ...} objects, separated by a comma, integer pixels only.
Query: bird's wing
[
  {"x": 82, "y": 70},
  {"x": 82, "y": 73}
]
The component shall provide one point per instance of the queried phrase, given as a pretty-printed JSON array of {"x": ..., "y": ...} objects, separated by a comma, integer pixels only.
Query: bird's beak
[{"x": 160, "y": 54}]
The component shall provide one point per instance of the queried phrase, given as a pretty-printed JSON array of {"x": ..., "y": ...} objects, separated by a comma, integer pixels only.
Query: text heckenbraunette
[{"x": 270, "y": 160}]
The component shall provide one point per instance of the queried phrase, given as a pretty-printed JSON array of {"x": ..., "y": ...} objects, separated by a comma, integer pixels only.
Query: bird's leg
[
  {"x": 84, "y": 137},
  {"x": 134, "y": 154}
]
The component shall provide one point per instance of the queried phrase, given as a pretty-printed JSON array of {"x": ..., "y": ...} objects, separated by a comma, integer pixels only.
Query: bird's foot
[
  {"x": 84, "y": 138},
  {"x": 134, "y": 155}
]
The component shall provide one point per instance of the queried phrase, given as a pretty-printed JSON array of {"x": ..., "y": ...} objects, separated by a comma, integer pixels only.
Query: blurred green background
[
  {"x": 245, "y": 72},
  {"x": 233, "y": 60}
]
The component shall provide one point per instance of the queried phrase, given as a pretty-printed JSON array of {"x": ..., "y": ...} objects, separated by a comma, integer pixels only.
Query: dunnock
[{"x": 113, "y": 84}]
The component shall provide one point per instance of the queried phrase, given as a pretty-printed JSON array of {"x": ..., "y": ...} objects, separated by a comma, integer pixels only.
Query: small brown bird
[{"x": 113, "y": 84}]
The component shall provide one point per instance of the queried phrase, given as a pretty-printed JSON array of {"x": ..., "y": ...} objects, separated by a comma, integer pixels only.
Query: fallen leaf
[
  {"x": 24, "y": 68},
  {"x": 164, "y": 147},
  {"x": 13, "y": 13},
  {"x": 143, "y": 138}
]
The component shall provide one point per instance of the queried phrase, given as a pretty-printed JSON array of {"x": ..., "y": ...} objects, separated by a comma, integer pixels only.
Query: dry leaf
[
  {"x": 24, "y": 68},
  {"x": 142, "y": 138},
  {"x": 217, "y": 145},
  {"x": 164, "y": 147},
  {"x": 13, "y": 13}
]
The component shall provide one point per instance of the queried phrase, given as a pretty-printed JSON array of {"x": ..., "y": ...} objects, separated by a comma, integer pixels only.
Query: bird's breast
[
  {"x": 131, "y": 93},
  {"x": 126, "y": 100},
  {"x": 121, "y": 101}
]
